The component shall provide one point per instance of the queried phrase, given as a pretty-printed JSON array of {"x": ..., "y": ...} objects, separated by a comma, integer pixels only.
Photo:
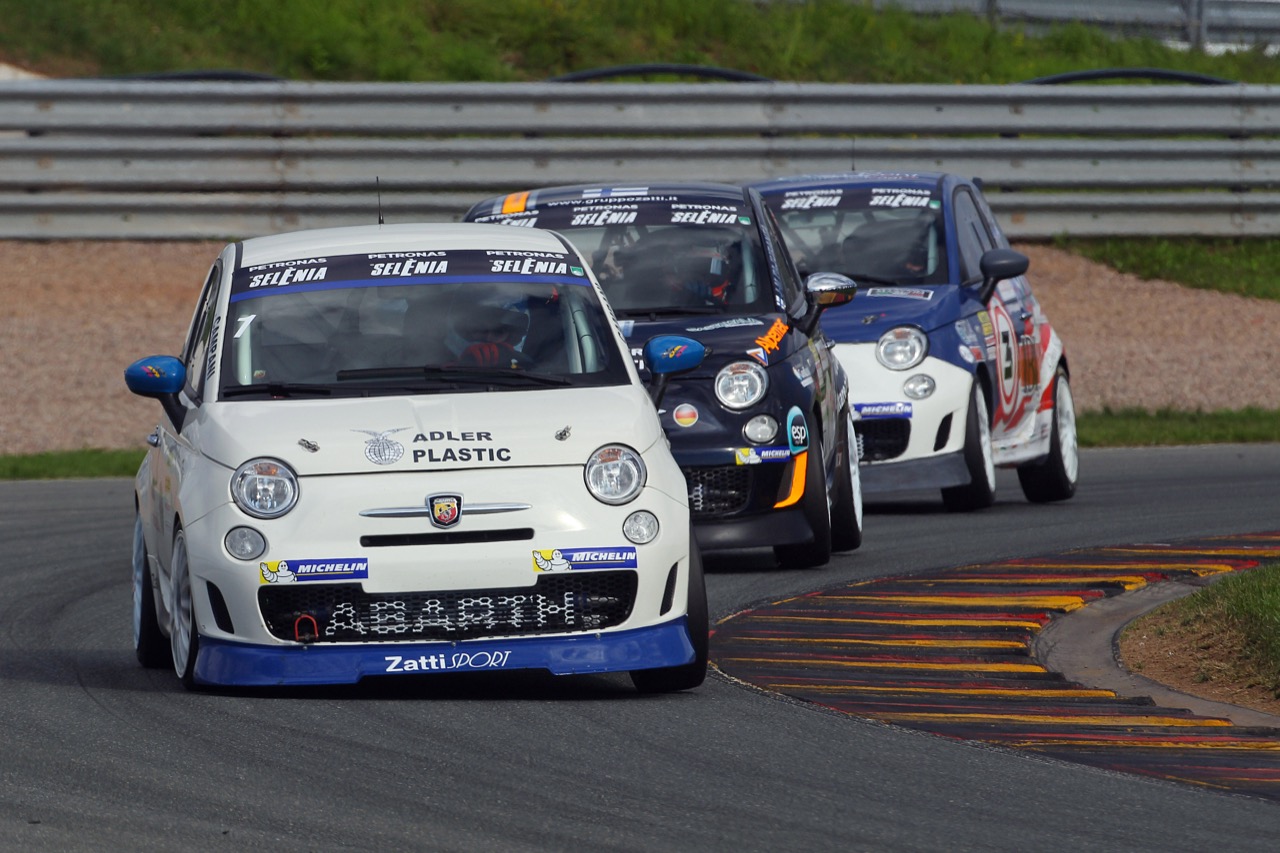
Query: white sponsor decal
[{"x": 445, "y": 662}]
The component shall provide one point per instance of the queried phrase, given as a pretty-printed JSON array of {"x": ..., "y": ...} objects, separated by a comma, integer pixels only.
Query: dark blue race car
[
  {"x": 763, "y": 430},
  {"x": 955, "y": 369}
]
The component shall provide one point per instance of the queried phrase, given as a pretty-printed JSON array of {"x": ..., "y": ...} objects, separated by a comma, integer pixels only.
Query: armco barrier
[{"x": 174, "y": 159}]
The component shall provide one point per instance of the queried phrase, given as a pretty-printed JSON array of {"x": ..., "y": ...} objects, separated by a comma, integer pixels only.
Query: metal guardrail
[{"x": 147, "y": 159}]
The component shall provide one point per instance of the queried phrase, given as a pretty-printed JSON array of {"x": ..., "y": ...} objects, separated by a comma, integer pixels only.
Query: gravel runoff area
[{"x": 73, "y": 315}]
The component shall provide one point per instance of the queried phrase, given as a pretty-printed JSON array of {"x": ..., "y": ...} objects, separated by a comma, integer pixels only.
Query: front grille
[
  {"x": 345, "y": 613},
  {"x": 884, "y": 438},
  {"x": 716, "y": 491}
]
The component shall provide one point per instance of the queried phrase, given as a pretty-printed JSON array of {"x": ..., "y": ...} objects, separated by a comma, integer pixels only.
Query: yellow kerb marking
[
  {"x": 873, "y": 664},
  {"x": 1037, "y": 602}
]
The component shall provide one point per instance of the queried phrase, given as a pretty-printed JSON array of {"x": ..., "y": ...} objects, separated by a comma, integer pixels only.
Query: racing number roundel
[{"x": 1007, "y": 353}]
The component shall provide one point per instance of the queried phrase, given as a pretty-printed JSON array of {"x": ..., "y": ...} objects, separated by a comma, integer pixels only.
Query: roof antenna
[{"x": 377, "y": 183}]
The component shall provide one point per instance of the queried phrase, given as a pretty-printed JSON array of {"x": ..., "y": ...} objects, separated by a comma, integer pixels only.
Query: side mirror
[
  {"x": 998, "y": 265},
  {"x": 826, "y": 290},
  {"x": 160, "y": 377},
  {"x": 667, "y": 355}
]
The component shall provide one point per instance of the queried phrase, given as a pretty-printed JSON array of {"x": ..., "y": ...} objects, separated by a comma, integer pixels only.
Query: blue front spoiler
[{"x": 241, "y": 664}]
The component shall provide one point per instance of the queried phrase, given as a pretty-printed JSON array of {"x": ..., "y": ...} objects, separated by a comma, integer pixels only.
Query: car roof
[
  {"x": 928, "y": 180},
  {"x": 632, "y": 191},
  {"x": 406, "y": 237}
]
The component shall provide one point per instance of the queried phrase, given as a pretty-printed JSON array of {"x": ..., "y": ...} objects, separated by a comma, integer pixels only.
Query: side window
[
  {"x": 972, "y": 235},
  {"x": 196, "y": 353}
]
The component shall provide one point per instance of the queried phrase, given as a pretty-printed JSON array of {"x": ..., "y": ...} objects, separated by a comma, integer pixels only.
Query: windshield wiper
[
  {"x": 455, "y": 375},
  {"x": 278, "y": 389}
]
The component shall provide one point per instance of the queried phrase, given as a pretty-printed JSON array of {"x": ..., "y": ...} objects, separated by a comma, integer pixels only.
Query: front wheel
[
  {"x": 1055, "y": 477},
  {"x": 149, "y": 642},
  {"x": 816, "y": 505},
  {"x": 686, "y": 676},
  {"x": 184, "y": 639},
  {"x": 846, "y": 508},
  {"x": 980, "y": 491}
]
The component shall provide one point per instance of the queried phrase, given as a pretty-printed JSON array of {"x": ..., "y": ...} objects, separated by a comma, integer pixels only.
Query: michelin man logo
[
  {"x": 278, "y": 572},
  {"x": 557, "y": 563}
]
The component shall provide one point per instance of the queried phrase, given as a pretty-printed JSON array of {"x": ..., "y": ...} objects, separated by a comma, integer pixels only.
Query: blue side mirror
[
  {"x": 156, "y": 376},
  {"x": 667, "y": 354}
]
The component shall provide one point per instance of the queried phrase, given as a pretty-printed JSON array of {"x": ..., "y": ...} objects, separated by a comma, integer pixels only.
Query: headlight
[
  {"x": 902, "y": 348},
  {"x": 741, "y": 384},
  {"x": 615, "y": 474},
  {"x": 761, "y": 429},
  {"x": 641, "y": 527},
  {"x": 245, "y": 543},
  {"x": 919, "y": 386},
  {"x": 264, "y": 488}
]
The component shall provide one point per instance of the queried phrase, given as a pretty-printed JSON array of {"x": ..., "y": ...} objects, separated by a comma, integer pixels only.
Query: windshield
[
  {"x": 417, "y": 322},
  {"x": 888, "y": 234},
  {"x": 665, "y": 255}
]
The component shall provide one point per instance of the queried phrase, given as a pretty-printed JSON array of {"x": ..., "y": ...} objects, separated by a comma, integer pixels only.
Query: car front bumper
[{"x": 243, "y": 664}]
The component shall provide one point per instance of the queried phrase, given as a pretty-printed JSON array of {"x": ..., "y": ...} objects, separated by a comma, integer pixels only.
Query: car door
[
  {"x": 1015, "y": 380},
  {"x": 173, "y": 445}
]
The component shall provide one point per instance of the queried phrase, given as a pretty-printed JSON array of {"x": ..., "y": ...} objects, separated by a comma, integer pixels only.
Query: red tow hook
[{"x": 305, "y": 636}]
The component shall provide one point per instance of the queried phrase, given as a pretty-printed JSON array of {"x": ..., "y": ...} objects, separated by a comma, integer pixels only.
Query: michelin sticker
[
  {"x": 577, "y": 559},
  {"x": 293, "y": 571}
]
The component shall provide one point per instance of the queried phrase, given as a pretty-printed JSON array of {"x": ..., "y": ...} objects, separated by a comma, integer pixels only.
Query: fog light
[
  {"x": 761, "y": 429},
  {"x": 245, "y": 543},
  {"x": 919, "y": 386},
  {"x": 641, "y": 527}
]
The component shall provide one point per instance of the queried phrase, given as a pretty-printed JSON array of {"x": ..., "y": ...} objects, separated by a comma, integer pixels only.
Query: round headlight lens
[
  {"x": 615, "y": 474},
  {"x": 741, "y": 384},
  {"x": 245, "y": 543},
  {"x": 919, "y": 386},
  {"x": 761, "y": 429},
  {"x": 264, "y": 488},
  {"x": 641, "y": 527},
  {"x": 902, "y": 348}
]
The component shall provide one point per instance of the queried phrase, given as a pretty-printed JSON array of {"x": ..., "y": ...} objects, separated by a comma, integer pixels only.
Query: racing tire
[
  {"x": 149, "y": 642},
  {"x": 980, "y": 491},
  {"x": 670, "y": 679},
  {"x": 184, "y": 639},
  {"x": 816, "y": 505},
  {"x": 846, "y": 508},
  {"x": 1054, "y": 478}
]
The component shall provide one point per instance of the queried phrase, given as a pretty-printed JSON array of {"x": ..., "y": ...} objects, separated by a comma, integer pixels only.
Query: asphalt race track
[{"x": 96, "y": 753}]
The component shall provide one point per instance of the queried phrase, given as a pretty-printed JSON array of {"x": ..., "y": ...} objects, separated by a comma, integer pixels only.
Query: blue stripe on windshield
[{"x": 350, "y": 284}]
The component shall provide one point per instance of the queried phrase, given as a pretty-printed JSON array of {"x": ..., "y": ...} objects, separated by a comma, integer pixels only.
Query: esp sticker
[{"x": 797, "y": 431}]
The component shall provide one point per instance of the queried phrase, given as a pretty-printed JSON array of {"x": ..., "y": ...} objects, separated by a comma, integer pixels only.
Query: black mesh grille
[
  {"x": 715, "y": 491},
  {"x": 884, "y": 438},
  {"x": 345, "y": 613}
]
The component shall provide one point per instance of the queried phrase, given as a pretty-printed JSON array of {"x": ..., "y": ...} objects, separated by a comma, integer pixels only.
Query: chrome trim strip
[{"x": 425, "y": 511}]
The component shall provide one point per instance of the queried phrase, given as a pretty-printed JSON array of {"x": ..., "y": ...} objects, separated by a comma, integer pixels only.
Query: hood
[
  {"x": 878, "y": 308},
  {"x": 430, "y": 432},
  {"x": 727, "y": 338}
]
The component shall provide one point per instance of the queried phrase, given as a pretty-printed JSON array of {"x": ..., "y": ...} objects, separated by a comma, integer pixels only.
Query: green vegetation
[
  {"x": 71, "y": 464},
  {"x": 1140, "y": 428},
  {"x": 389, "y": 40},
  {"x": 1234, "y": 626},
  {"x": 1245, "y": 266}
]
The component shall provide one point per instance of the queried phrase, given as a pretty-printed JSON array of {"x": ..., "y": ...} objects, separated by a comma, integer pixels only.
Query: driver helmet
[
  {"x": 702, "y": 271},
  {"x": 486, "y": 315}
]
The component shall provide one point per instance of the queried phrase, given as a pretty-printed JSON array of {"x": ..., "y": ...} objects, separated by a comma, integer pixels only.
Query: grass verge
[
  {"x": 1226, "y": 634},
  {"x": 1241, "y": 265},
  {"x": 71, "y": 464},
  {"x": 1140, "y": 428}
]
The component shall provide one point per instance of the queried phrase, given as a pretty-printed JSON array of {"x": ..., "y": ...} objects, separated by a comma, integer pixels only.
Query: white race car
[{"x": 411, "y": 449}]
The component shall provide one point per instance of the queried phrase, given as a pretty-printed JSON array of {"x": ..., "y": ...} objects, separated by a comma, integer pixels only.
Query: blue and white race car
[
  {"x": 408, "y": 450},
  {"x": 762, "y": 430},
  {"x": 954, "y": 367}
]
